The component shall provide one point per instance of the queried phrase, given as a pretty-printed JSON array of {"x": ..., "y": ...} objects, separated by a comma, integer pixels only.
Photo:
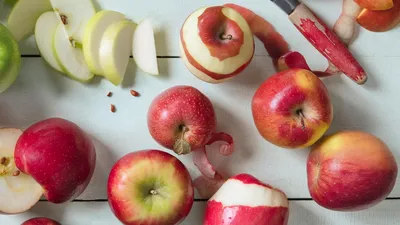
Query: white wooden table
[{"x": 40, "y": 92}]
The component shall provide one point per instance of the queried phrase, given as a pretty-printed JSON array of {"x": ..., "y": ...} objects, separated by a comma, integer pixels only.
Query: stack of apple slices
[{"x": 76, "y": 40}]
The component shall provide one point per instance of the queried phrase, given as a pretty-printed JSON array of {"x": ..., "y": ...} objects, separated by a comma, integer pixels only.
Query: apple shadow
[
  {"x": 161, "y": 41},
  {"x": 96, "y": 5},
  {"x": 347, "y": 115},
  {"x": 242, "y": 145},
  {"x": 49, "y": 210},
  {"x": 297, "y": 210},
  {"x": 131, "y": 72},
  {"x": 105, "y": 159},
  {"x": 260, "y": 68}
]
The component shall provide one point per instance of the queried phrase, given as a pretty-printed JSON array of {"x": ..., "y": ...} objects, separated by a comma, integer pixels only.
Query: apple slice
[
  {"x": 45, "y": 28},
  {"x": 144, "y": 48},
  {"x": 94, "y": 30},
  {"x": 74, "y": 14},
  {"x": 18, "y": 191},
  {"x": 69, "y": 57},
  {"x": 10, "y": 59},
  {"x": 115, "y": 49},
  {"x": 22, "y": 19}
]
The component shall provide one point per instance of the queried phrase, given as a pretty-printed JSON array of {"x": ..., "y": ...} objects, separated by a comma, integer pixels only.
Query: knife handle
[{"x": 327, "y": 43}]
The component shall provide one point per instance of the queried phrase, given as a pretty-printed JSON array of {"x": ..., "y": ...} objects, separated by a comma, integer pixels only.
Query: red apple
[
  {"x": 150, "y": 187},
  {"x": 18, "y": 191},
  {"x": 181, "y": 113},
  {"x": 216, "y": 43},
  {"x": 40, "y": 221},
  {"x": 182, "y": 119},
  {"x": 350, "y": 171},
  {"x": 292, "y": 109},
  {"x": 59, "y": 156},
  {"x": 243, "y": 199}
]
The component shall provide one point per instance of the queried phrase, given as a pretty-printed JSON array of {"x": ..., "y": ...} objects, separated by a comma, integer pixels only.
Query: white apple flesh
[
  {"x": 94, "y": 31},
  {"x": 74, "y": 14},
  {"x": 22, "y": 19},
  {"x": 252, "y": 202},
  {"x": 69, "y": 57},
  {"x": 45, "y": 28},
  {"x": 115, "y": 49},
  {"x": 18, "y": 191},
  {"x": 216, "y": 43},
  {"x": 144, "y": 48}
]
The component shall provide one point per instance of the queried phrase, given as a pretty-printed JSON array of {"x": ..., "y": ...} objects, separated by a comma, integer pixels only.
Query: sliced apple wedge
[
  {"x": 18, "y": 191},
  {"x": 115, "y": 50},
  {"x": 144, "y": 47},
  {"x": 22, "y": 19},
  {"x": 94, "y": 30},
  {"x": 69, "y": 57},
  {"x": 45, "y": 28},
  {"x": 74, "y": 14}
]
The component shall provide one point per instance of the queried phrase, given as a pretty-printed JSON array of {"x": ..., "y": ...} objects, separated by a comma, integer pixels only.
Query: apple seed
[
  {"x": 3, "y": 160},
  {"x": 64, "y": 19},
  {"x": 16, "y": 173},
  {"x": 134, "y": 93},
  {"x": 109, "y": 94}
]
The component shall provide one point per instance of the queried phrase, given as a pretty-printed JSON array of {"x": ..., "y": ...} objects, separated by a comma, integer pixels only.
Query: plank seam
[{"x": 205, "y": 200}]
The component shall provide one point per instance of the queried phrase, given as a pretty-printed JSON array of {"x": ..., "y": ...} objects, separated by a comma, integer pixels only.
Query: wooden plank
[
  {"x": 169, "y": 20},
  {"x": 301, "y": 213},
  {"x": 41, "y": 93}
]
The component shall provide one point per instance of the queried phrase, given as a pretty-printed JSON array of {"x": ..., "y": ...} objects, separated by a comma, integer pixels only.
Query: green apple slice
[
  {"x": 115, "y": 50},
  {"x": 22, "y": 19},
  {"x": 45, "y": 28},
  {"x": 10, "y": 59},
  {"x": 69, "y": 57},
  {"x": 74, "y": 14},
  {"x": 94, "y": 30},
  {"x": 144, "y": 48},
  {"x": 10, "y": 2}
]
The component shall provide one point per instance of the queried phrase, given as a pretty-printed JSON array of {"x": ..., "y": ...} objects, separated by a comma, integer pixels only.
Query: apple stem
[
  {"x": 181, "y": 146},
  {"x": 226, "y": 36},
  {"x": 300, "y": 113}
]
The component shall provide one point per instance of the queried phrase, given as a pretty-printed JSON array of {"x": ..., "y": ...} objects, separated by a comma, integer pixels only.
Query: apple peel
[
  {"x": 200, "y": 158},
  {"x": 207, "y": 187},
  {"x": 278, "y": 48}
]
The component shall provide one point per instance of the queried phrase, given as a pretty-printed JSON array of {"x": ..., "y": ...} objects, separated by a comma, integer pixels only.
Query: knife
[{"x": 323, "y": 39}]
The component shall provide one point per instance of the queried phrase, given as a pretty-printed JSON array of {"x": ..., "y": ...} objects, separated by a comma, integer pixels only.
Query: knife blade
[{"x": 323, "y": 39}]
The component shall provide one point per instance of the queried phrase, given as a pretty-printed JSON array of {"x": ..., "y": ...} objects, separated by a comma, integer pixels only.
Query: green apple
[
  {"x": 10, "y": 59},
  {"x": 93, "y": 33},
  {"x": 74, "y": 14},
  {"x": 22, "y": 19},
  {"x": 10, "y": 2},
  {"x": 70, "y": 57},
  {"x": 18, "y": 191},
  {"x": 115, "y": 50},
  {"x": 45, "y": 28},
  {"x": 144, "y": 48}
]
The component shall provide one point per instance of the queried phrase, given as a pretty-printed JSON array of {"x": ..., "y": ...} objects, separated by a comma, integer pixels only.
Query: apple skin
[
  {"x": 125, "y": 190},
  {"x": 292, "y": 109},
  {"x": 243, "y": 199},
  {"x": 380, "y": 21},
  {"x": 40, "y": 221},
  {"x": 59, "y": 156},
  {"x": 216, "y": 43},
  {"x": 375, "y": 5},
  {"x": 181, "y": 108},
  {"x": 350, "y": 171}
]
